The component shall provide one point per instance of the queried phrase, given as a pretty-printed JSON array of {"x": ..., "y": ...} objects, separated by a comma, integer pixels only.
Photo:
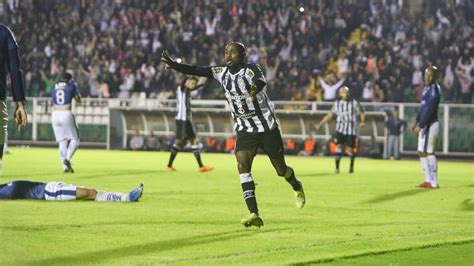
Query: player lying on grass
[
  {"x": 254, "y": 120},
  {"x": 22, "y": 189}
]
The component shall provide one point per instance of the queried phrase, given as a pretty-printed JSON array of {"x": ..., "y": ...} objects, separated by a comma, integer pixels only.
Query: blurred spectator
[
  {"x": 309, "y": 147},
  {"x": 152, "y": 142},
  {"x": 290, "y": 147},
  {"x": 118, "y": 43},
  {"x": 230, "y": 144},
  {"x": 212, "y": 145},
  {"x": 395, "y": 127},
  {"x": 137, "y": 141}
]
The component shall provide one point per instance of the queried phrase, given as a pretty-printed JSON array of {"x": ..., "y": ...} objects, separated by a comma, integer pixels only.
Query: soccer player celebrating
[
  {"x": 184, "y": 126},
  {"x": 346, "y": 110},
  {"x": 254, "y": 120},
  {"x": 59, "y": 191},
  {"x": 427, "y": 126},
  {"x": 9, "y": 60},
  {"x": 64, "y": 123}
]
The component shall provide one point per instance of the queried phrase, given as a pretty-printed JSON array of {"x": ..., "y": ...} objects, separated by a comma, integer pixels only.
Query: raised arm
[
  {"x": 325, "y": 119},
  {"x": 361, "y": 114},
  {"x": 184, "y": 68}
]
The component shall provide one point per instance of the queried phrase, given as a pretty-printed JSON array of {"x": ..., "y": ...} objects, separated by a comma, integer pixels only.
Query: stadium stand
[{"x": 378, "y": 47}]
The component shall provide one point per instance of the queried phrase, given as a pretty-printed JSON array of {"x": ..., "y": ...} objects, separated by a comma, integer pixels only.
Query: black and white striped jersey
[
  {"x": 249, "y": 115},
  {"x": 347, "y": 113},
  {"x": 183, "y": 104}
]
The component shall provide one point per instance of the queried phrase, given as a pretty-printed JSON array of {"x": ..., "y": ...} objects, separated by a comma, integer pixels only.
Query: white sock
[
  {"x": 426, "y": 170},
  {"x": 112, "y": 196},
  {"x": 433, "y": 169},
  {"x": 71, "y": 148}
]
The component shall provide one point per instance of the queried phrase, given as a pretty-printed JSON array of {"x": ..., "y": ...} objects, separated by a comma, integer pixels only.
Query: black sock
[
  {"x": 173, "y": 153},
  {"x": 291, "y": 179},
  {"x": 248, "y": 189},
  {"x": 197, "y": 154},
  {"x": 352, "y": 161},
  {"x": 338, "y": 159}
]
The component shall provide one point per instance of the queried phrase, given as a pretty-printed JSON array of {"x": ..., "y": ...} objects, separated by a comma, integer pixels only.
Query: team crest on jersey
[
  {"x": 217, "y": 70},
  {"x": 241, "y": 110}
]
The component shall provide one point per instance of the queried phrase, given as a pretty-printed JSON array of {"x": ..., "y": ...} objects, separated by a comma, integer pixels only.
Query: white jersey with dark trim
[
  {"x": 254, "y": 116},
  {"x": 347, "y": 112},
  {"x": 183, "y": 104}
]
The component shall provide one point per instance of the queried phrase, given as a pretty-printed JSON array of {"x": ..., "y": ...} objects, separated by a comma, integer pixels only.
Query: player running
[
  {"x": 346, "y": 110},
  {"x": 427, "y": 126},
  {"x": 10, "y": 61},
  {"x": 64, "y": 123},
  {"x": 184, "y": 126},
  {"x": 254, "y": 120},
  {"x": 59, "y": 191}
]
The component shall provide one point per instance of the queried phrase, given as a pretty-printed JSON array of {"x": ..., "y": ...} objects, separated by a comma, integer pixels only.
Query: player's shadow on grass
[
  {"x": 467, "y": 205},
  {"x": 150, "y": 247},
  {"x": 394, "y": 196}
]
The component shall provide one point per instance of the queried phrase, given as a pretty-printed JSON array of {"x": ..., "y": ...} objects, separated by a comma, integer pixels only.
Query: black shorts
[
  {"x": 348, "y": 140},
  {"x": 185, "y": 130},
  {"x": 270, "y": 142}
]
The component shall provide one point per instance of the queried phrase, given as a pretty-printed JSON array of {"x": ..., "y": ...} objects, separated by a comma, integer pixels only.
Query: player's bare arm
[
  {"x": 20, "y": 115},
  {"x": 326, "y": 119},
  {"x": 184, "y": 68},
  {"x": 362, "y": 119}
]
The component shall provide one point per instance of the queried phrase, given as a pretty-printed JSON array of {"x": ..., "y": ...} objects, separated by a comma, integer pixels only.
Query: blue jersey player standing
[
  {"x": 10, "y": 62},
  {"x": 427, "y": 128},
  {"x": 64, "y": 123},
  {"x": 59, "y": 191}
]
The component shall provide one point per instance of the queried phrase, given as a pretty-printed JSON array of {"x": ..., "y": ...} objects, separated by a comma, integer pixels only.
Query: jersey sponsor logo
[
  {"x": 236, "y": 97},
  {"x": 245, "y": 115}
]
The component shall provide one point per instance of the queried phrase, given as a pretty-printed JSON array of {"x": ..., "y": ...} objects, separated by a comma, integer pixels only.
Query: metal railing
[{"x": 456, "y": 119}]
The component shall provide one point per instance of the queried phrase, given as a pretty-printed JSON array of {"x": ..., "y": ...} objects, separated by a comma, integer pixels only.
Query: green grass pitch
[{"x": 375, "y": 216}]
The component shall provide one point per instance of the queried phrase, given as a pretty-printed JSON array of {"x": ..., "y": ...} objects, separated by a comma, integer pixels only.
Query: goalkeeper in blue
[
  {"x": 59, "y": 191},
  {"x": 427, "y": 127}
]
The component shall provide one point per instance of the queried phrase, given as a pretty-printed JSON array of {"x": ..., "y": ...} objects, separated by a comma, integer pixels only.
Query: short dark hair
[
  {"x": 66, "y": 76},
  {"x": 239, "y": 46}
]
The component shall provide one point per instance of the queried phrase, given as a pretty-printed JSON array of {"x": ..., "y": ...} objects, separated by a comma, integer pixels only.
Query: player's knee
[
  {"x": 243, "y": 167},
  {"x": 422, "y": 154}
]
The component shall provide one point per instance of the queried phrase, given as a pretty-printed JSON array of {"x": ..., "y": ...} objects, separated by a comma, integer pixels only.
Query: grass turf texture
[{"x": 374, "y": 216}]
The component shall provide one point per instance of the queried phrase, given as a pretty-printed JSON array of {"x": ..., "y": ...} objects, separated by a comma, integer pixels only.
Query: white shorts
[
  {"x": 3, "y": 122},
  {"x": 59, "y": 191},
  {"x": 427, "y": 138},
  {"x": 64, "y": 125}
]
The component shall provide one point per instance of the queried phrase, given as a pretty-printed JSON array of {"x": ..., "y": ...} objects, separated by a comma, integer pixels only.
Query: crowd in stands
[{"x": 308, "y": 48}]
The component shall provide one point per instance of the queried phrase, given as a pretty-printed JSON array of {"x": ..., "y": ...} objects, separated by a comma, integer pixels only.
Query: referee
[{"x": 346, "y": 109}]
